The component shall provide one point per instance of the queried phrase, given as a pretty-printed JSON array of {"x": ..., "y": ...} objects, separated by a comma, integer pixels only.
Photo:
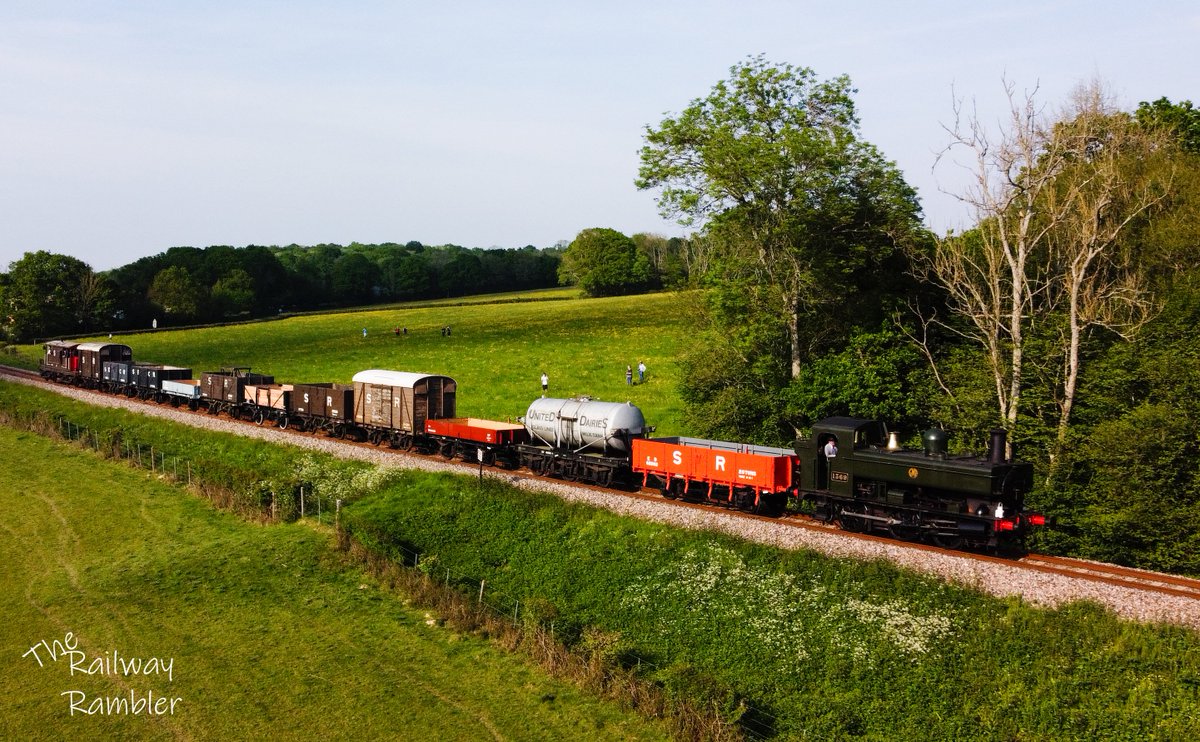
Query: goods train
[{"x": 848, "y": 471}]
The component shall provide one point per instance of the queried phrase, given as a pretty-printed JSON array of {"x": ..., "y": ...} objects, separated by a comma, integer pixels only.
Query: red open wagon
[{"x": 745, "y": 476}]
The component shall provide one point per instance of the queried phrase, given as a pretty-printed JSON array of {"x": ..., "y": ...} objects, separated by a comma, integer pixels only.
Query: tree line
[{"x": 45, "y": 295}]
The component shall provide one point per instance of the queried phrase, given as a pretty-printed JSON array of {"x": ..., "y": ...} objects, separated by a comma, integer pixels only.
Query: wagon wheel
[
  {"x": 259, "y": 417},
  {"x": 406, "y": 442},
  {"x": 376, "y": 437},
  {"x": 447, "y": 450},
  {"x": 282, "y": 422}
]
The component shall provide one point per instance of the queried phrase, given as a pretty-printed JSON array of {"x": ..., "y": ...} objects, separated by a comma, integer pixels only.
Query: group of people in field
[
  {"x": 641, "y": 376},
  {"x": 641, "y": 372}
]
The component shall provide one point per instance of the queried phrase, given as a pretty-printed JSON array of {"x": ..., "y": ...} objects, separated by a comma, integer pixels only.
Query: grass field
[
  {"x": 496, "y": 351},
  {"x": 269, "y": 634}
]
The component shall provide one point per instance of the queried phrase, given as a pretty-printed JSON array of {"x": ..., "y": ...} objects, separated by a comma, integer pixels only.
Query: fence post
[
  {"x": 301, "y": 501},
  {"x": 516, "y": 612},
  {"x": 152, "y": 467},
  {"x": 481, "y": 584}
]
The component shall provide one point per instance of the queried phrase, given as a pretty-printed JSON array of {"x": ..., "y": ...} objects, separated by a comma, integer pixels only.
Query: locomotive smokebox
[
  {"x": 998, "y": 446},
  {"x": 934, "y": 441}
]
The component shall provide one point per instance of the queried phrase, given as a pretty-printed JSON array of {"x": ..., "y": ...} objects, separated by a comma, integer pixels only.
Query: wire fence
[{"x": 526, "y": 616}]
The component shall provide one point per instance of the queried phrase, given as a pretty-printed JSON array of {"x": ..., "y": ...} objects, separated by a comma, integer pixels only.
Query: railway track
[
  {"x": 1113, "y": 574},
  {"x": 1168, "y": 587}
]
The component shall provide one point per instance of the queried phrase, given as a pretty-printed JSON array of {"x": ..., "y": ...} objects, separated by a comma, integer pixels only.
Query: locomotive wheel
[
  {"x": 948, "y": 541},
  {"x": 904, "y": 531},
  {"x": 847, "y": 522}
]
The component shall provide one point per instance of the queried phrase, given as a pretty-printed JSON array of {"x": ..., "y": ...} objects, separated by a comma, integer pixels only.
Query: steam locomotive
[{"x": 863, "y": 482}]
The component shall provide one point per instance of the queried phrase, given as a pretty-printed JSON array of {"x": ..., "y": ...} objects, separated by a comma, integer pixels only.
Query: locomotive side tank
[{"x": 584, "y": 424}]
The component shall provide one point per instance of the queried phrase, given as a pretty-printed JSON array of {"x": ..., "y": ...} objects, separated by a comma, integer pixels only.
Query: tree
[
  {"x": 1107, "y": 184},
  {"x": 604, "y": 262},
  {"x": 177, "y": 293},
  {"x": 772, "y": 166},
  {"x": 49, "y": 294},
  {"x": 233, "y": 293},
  {"x": 1180, "y": 120},
  {"x": 353, "y": 278},
  {"x": 1052, "y": 198}
]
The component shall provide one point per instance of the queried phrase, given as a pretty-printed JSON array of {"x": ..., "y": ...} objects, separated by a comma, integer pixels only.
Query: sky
[{"x": 127, "y": 128}]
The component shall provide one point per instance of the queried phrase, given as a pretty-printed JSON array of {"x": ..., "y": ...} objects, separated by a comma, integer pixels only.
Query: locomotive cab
[{"x": 850, "y": 435}]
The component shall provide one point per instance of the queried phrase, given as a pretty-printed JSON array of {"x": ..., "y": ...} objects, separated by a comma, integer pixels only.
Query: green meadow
[
  {"x": 496, "y": 351},
  {"x": 268, "y": 633}
]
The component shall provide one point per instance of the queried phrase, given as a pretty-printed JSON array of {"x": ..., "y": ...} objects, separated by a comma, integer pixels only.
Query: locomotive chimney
[{"x": 999, "y": 443}]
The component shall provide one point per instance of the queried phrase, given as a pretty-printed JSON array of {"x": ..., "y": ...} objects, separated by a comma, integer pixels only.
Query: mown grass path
[{"x": 269, "y": 634}]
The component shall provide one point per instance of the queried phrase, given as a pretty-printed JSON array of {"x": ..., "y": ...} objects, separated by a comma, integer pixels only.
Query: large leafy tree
[
  {"x": 1181, "y": 120},
  {"x": 48, "y": 294},
  {"x": 604, "y": 262},
  {"x": 803, "y": 227},
  {"x": 177, "y": 293},
  {"x": 772, "y": 166}
]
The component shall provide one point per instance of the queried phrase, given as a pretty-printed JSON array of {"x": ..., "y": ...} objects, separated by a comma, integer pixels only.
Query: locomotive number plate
[
  {"x": 912, "y": 472},
  {"x": 839, "y": 476}
]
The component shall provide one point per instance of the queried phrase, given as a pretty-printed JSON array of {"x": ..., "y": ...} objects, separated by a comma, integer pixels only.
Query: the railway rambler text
[{"x": 108, "y": 664}]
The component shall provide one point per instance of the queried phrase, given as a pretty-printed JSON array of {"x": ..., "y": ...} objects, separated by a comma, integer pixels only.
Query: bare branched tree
[
  {"x": 1108, "y": 184},
  {"x": 995, "y": 274},
  {"x": 1052, "y": 198}
]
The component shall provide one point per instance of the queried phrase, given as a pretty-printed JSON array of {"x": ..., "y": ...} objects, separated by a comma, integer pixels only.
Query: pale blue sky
[{"x": 130, "y": 127}]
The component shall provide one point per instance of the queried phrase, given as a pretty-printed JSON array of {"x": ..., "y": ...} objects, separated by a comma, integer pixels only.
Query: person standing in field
[
  {"x": 545, "y": 383},
  {"x": 629, "y": 375},
  {"x": 641, "y": 372}
]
